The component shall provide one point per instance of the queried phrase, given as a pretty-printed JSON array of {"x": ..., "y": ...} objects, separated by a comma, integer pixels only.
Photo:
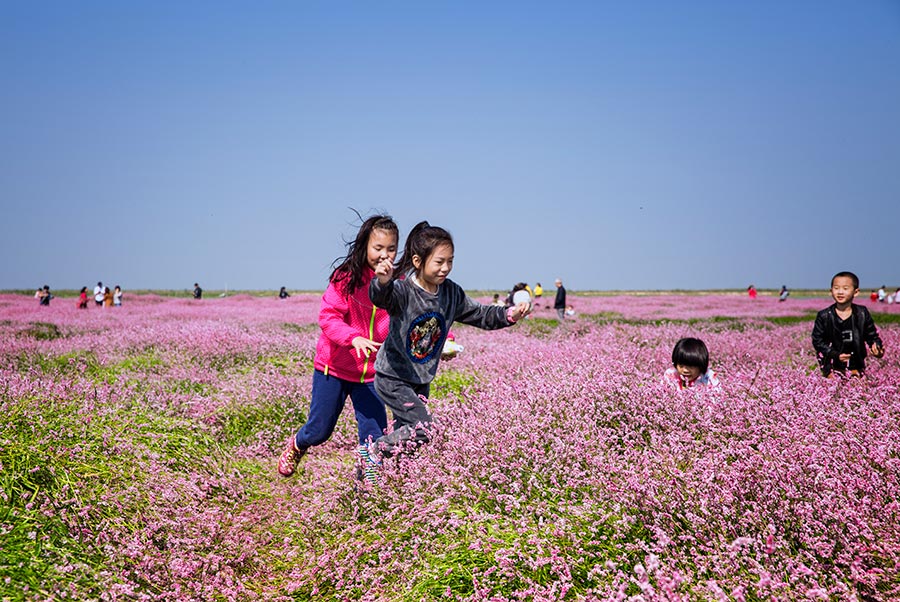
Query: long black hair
[
  {"x": 422, "y": 240},
  {"x": 352, "y": 265}
]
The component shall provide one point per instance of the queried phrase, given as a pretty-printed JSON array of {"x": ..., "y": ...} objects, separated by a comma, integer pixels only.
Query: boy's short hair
[
  {"x": 691, "y": 352},
  {"x": 849, "y": 275}
]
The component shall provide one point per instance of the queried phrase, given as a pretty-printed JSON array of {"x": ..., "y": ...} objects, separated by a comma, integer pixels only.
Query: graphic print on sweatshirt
[{"x": 423, "y": 337}]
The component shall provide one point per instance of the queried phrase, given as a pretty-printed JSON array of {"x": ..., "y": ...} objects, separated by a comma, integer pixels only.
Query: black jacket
[
  {"x": 560, "y": 301},
  {"x": 826, "y": 338}
]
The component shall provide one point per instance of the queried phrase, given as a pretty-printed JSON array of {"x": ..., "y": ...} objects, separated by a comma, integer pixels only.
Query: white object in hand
[{"x": 451, "y": 347}]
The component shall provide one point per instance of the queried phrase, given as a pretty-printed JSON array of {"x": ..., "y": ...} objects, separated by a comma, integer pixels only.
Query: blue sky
[{"x": 629, "y": 145}]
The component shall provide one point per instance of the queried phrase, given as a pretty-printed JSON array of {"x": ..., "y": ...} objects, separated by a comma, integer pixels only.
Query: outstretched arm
[{"x": 490, "y": 317}]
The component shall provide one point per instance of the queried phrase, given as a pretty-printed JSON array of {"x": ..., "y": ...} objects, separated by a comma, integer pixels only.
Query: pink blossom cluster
[{"x": 562, "y": 467}]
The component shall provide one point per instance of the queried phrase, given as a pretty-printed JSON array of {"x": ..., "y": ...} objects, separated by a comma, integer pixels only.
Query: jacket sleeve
[
  {"x": 870, "y": 333},
  {"x": 820, "y": 338},
  {"x": 388, "y": 296},
  {"x": 473, "y": 313},
  {"x": 333, "y": 317}
]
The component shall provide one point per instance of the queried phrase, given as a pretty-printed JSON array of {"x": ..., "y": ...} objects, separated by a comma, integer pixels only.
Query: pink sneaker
[{"x": 287, "y": 463}]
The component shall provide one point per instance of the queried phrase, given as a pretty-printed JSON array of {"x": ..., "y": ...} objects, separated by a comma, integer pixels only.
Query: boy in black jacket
[{"x": 843, "y": 330}]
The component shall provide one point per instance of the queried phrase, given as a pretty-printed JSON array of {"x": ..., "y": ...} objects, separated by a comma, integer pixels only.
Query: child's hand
[
  {"x": 845, "y": 357},
  {"x": 384, "y": 270},
  {"x": 876, "y": 350},
  {"x": 365, "y": 346},
  {"x": 520, "y": 311}
]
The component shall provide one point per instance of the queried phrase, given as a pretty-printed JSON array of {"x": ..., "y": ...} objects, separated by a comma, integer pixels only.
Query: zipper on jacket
[{"x": 362, "y": 378}]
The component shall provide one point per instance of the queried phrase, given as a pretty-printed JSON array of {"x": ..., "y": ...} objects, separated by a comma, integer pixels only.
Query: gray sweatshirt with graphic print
[{"x": 419, "y": 324}]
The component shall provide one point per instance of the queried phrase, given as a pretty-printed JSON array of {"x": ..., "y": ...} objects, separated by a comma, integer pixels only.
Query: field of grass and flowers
[{"x": 138, "y": 450}]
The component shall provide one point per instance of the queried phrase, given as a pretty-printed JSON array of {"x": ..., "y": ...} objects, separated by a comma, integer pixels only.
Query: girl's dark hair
[
  {"x": 83, "y": 289},
  {"x": 691, "y": 352},
  {"x": 422, "y": 240},
  {"x": 352, "y": 265}
]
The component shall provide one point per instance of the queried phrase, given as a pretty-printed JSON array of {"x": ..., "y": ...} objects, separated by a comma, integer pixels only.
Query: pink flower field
[{"x": 139, "y": 446}]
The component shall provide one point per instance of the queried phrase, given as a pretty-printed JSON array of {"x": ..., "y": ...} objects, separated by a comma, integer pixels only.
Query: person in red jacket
[{"x": 352, "y": 331}]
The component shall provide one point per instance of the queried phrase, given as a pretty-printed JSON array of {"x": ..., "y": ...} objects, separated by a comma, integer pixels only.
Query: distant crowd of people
[
  {"x": 103, "y": 297},
  {"x": 881, "y": 296}
]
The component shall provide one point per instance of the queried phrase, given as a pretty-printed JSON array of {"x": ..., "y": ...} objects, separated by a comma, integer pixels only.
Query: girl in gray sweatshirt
[{"x": 422, "y": 304}]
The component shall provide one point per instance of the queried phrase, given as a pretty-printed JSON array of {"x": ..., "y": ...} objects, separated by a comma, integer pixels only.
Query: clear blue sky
[{"x": 626, "y": 145}]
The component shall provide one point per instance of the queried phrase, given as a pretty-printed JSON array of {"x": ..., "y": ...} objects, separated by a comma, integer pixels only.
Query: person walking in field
[
  {"x": 560, "y": 303},
  {"x": 352, "y": 331},
  {"x": 423, "y": 304},
  {"x": 843, "y": 330}
]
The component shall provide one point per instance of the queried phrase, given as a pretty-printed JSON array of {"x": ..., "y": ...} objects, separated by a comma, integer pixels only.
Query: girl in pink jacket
[{"x": 352, "y": 330}]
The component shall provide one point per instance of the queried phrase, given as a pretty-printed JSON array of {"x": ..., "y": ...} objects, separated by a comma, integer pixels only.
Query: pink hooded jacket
[{"x": 342, "y": 319}]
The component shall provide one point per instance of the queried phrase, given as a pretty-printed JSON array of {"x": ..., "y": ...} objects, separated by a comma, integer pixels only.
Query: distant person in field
[
  {"x": 423, "y": 307},
  {"x": 107, "y": 297},
  {"x": 352, "y": 331},
  {"x": 690, "y": 365},
  {"x": 82, "y": 298},
  {"x": 498, "y": 301},
  {"x": 751, "y": 291},
  {"x": 783, "y": 295},
  {"x": 98, "y": 294},
  {"x": 198, "y": 292},
  {"x": 881, "y": 294},
  {"x": 538, "y": 293},
  {"x": 843, "y": 331},
  {"x": 117, "y": 296},
  {"x": 559, "y": 304},
  {"x": 283, "y": 294},
  {"x": 44, "y": 296}
]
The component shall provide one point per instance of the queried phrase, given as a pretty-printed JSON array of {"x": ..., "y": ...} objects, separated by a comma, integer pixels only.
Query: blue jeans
[{"x": 328, "y": 396}]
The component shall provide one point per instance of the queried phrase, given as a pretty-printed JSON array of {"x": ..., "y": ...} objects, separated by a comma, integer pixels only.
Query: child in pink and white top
[{"x": 690, "y": 361}]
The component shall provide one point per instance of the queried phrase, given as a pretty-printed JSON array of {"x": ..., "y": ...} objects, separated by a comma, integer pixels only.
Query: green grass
[
  {"x": 242, "y": 424},
  {"x": 881, "y": 319},
  {"x": 452, "y": 383},
  {"x": 42, "y": 331}
]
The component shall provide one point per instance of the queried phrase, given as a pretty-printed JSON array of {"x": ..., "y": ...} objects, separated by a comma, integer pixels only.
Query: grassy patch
[
  {"x": 885, "y": 318},
  {"x": 241, "y": 424},
  {"x": 533, "y": 326},
  {"x": 42, "y": 331},
  {"x": 451, "y": 383}
]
